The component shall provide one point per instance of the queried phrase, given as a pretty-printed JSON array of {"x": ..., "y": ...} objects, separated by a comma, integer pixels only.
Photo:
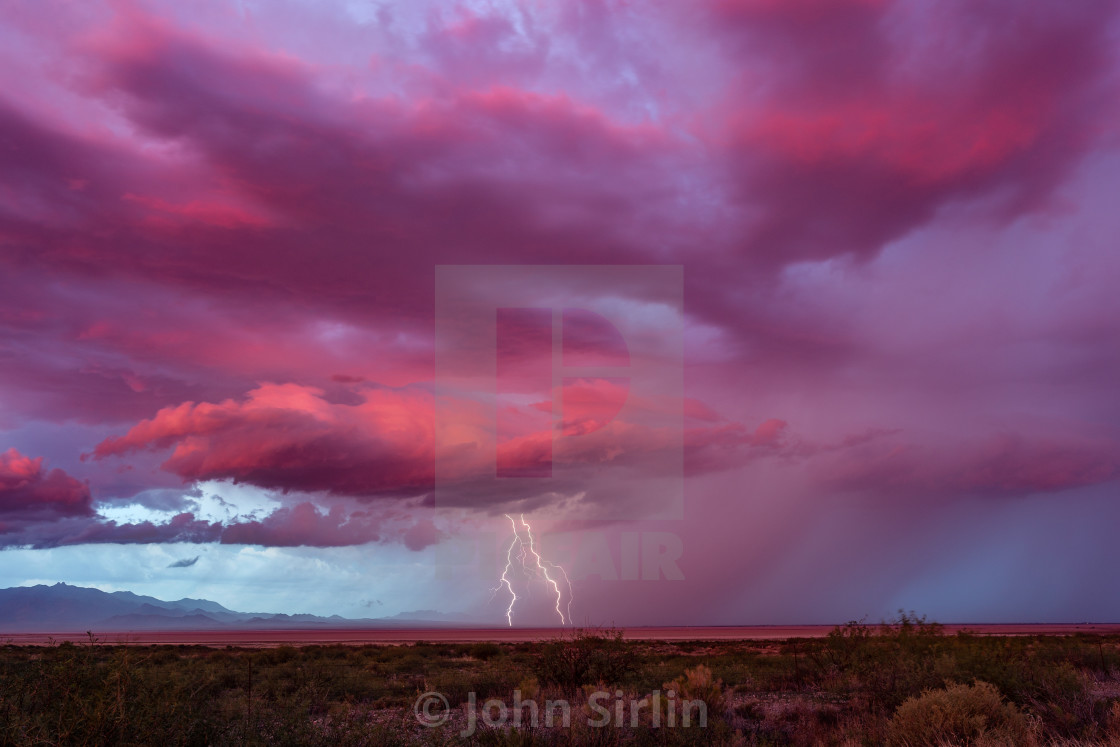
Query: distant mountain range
[{"x": 65, "y": 608}]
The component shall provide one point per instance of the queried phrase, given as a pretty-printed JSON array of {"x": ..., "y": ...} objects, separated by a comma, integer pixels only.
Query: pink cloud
[
  {"x": 289, "y": 437},
  {"x": 304, "y": 524},
  {"x": 847, "y": 107},
  {"x": 28, "y": 491},
  {"x": 1000, "y": 465}
]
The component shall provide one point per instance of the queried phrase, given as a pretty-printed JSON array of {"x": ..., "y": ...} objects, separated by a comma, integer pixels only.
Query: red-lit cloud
[
  {"x": 28, "y": 491},
  {"x": 289, "y": 437}
]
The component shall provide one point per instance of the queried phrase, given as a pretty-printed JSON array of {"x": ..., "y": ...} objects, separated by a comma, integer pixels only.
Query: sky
[{"x": 758, "y": 312}]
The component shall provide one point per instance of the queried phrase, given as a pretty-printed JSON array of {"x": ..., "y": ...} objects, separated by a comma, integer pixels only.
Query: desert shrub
[
  {"x": 1061, "y": 695},
  {"x": 279, "y": 655},
  {"x": 484, "y": 682},
  {"x": 790, "y": 721},
  {"x": 1036, "y": 673},
  {"x": 582, "y": 657},
  {"x": 1112, "y": 723},
  {"x": 889, "y": 663},
  {"x": 411, "y": 663},
  {"x": 698, "y": 684},
  {"x": 485, "y": 651},
  {"x": 961, "y": 715},
  {"x": 845, "y": 644},
  {"x": 101, "y": 695},
  {"x": 530, "y": 687}
]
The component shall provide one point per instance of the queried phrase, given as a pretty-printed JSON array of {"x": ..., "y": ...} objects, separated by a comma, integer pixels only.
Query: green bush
[
  {"x": 583, "y": 657},
  {"x": 698, "y": 684},
  {"x": 960, "y": 715}
]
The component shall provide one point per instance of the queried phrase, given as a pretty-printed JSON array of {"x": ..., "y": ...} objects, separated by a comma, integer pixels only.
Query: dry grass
[{"x": 862, "y": 685}]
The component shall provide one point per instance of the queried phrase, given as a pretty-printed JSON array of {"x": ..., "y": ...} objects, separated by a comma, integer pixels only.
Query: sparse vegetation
[{"x": 905, "y": 682}]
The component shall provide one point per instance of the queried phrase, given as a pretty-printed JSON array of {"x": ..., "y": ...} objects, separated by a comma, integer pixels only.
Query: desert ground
[
  {"x": 907, "y": 682},
  {"x": 383, "y": 636}
]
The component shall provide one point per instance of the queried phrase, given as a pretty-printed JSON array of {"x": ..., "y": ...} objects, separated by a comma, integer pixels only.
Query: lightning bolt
[
  {"x": 542, "y": 568},
  {"x": 537, "y": 569},
  {"x": 505, "y": 575},
  {"x": 568, "y": 584}
]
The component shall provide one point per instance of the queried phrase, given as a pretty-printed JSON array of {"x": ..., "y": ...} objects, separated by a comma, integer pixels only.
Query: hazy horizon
[{"x": 419, "y": 620}]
